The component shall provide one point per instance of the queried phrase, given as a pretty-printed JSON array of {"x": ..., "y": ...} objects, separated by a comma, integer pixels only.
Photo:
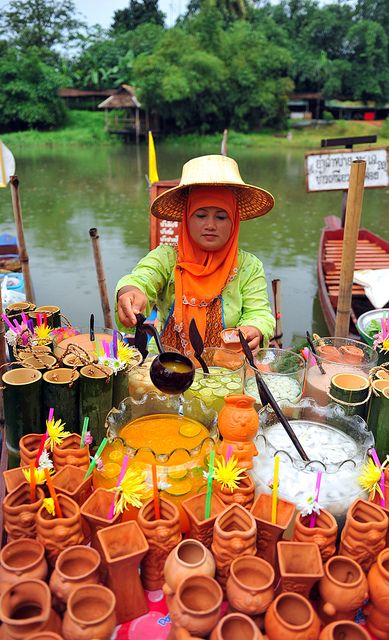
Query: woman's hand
[
  {"x": 253, "y": 337},
  {"x": 131, "y": 301}
]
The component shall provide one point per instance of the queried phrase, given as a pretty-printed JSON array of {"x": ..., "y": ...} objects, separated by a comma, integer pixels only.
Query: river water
[{"x": 67, "y": 190}]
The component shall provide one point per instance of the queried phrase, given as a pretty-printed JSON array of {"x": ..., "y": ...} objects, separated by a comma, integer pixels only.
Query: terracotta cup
[
  {"x": 343, "y": 589},
  {"x": 300, "y": 566},
  {"x": 189, "y": 557},
  {"x": 29, "y": 447},
  {"x": 70, "y": 481},
  {"x": 291, "y": 617},
  {"x": 56, "y": 534},
  {"x": 364, "y": 533},
  {"x": 70, "y": 452},
  {"x": 268, "y": 533},
  {"x": 13, "y": 478},
  {"x": 344, "y": 630},
  {"x": 201, "y": 528},
  {"x": 238, "y": 424},
  {"x": 90, "y": 614},
  {"x": 196, "y": 605},
  {"x": 75, "y": 566},
  {"x": 95, "y": 511},
  {"x": 21, "y": 559},
  {"x": 20, "y": 514},
  {"x": 250, "y": 586},
  {"x": 377, "y": 609},
  {"x": 243, "y": 495},
  {"x": 236, "y": 625},
  {"x": 323, "y": 533}
]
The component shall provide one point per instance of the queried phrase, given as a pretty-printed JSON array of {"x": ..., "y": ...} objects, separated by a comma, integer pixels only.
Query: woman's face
[{"x": 210, "y": 228}]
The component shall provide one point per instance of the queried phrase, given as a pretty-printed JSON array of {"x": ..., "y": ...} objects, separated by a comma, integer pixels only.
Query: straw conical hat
[{"x": 217, "y": 171}]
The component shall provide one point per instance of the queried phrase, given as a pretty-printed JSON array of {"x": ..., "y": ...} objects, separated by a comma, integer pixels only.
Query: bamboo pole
[
  {"x": 350, "y": 239},
  {"x": 17, "y": 210},
  {"x": 101, "y": 278},
  {"x": 276, "y": 287}
]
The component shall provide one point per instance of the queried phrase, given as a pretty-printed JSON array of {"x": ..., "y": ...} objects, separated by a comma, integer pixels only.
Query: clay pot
[
  {"x": 200, "y": 528},
  {"x": 20, "y": 515},
  {"x": 377, "y": 609},
  {"x": 56, "y": 534},
  {"x": 162, "y": 536},
  {"x": 250, "y": 585},
  {"x": 21, "y": 559},
  {"x": 351, "y": 354},
  {"x": 70, "y": 482},
  {"x": 364, "y": 533},
  {"x": 329, "y": 352},
  {"x": 95, "y": 511},
  {"x": 69, "y": 452},
  {"x": 234, "y": 535},
  {"x": 188, "y": 558},
  {"x": 124, "y": 547},
  {"x": 230, "y": 340},
  {"x": 343, "y": 589},
  {"x": 238, "y": 423},
  {"x": 291, "y": 617},
  {"x": 323, "y": 533},
  {"x": 75, "y": 566},
  {"x": 13, "y": 478},
  {"x": 300, "y": 566},
  {"x": 234, "y": 626},
  {"x": 25, "y": 608},
  {"x": 196, "y": 605},
  {"x": 90, "y": 614},
  {"x": 344, "y": 630},
  {"x": 268, "y": 533},
  {"x": 243, "y": 495},
  {"x": 29, "y": 447}
]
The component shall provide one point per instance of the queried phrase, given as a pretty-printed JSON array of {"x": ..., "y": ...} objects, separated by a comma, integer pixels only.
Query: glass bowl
[
  {"x": 283, "y": 371},
  {"x": 336, "y": 355}
]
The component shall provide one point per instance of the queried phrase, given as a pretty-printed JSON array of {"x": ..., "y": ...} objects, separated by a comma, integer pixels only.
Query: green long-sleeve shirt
[{"x": 244, "y": 299}]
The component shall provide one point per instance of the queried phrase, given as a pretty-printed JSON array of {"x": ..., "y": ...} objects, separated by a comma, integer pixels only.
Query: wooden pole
[
  {"x": 17, "y": 209},
  {"x": 276, "y": 287},
  {"x": 350, "y": 239},
  {"x": 223, "y": 150},
  {"x": 101, "y": 278}
]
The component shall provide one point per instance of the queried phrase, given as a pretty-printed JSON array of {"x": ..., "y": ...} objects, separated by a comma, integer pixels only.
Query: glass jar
[
  {"x": 336, "y": 355},
  {"x": 283, "y": 371}
]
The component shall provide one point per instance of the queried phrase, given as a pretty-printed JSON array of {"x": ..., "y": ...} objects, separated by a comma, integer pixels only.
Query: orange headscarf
[{"x": 200, "y": 276}]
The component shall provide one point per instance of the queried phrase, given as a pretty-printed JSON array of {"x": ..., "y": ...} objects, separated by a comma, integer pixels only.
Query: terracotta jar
[
  {"x": 300, "y": 566},
  {"x": 75, "y": 566},
  {"x": 162, "y": 536},
  {"x": 243, "y": 495},
  {"x": 344, "y": 630},
  {"x": 378, "y": 607},
  {"x": 364, "y": 533},
  {"x": 323, "y": 533},
  {"x": 21, "y": 559},
  {"x": 234, "y": 535},
  {"x": 95, "y": 511},
  {"x": 20, "y": 515},
  {"x": 13, "y": 478},
  {"x": 343, "y": 589},
  {"x": 196, "y": 605},
  {"x": 238, "y": 423},
  {"x": 268, "y": 533},
  {"x": 123, "y": 548},
  {"x": 70, "y": 452},
  {"x": 291, "y": 617},
  {"x": 189, "y": 557},
  {"x": 70, "y": 481},
  {"x": 236, "y": 625},
  {"x": 25, "y": 608},
  {"x": 200, "y": 528},
  {"x": 90, "y": 614},
  {"x": 56, "y": 534},
  {"x": 29, "y": 447},
  {"x": 250, "y": 586}
]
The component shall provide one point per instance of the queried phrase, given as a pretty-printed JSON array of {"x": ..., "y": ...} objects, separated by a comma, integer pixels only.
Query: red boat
[{"x": 372, "y": 253}]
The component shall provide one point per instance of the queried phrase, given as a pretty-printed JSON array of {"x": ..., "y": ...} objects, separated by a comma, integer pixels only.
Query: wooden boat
[{"x": 372, "y": 253}]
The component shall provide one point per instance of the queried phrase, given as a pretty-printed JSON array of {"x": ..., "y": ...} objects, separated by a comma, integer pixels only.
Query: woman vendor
[{"x": 207, "y": 277}]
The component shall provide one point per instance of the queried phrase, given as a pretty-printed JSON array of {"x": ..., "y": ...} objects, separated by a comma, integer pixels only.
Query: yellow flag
[
  {"x": 3, "y": 180},
  {"x": 153, "y": 171}
]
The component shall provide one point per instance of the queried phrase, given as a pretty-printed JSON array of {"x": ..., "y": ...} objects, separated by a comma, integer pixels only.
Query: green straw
[
  {"x": 84, "y": 430},
  {"x": 209, "y": 485},
  {"x": 96, "y": 457}
]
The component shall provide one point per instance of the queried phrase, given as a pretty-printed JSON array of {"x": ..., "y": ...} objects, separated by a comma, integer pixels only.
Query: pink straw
[
  {"x": 24, "y": 318},
  {"x": 376, "y": 459},
  {"x": 8, "y": 322},
  {"x": 312, "y": 522},
  {"x": 120, "y": 478},
  {"x": 229, "y": 452},
  {"x": 51, "y": 414}
]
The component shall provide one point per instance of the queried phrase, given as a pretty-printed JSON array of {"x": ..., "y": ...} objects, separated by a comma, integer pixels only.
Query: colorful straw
[
  {"x": 312, "y": 522},
  {"x": 209, "y": 484},
  {"x": 157, "y": 510},
  {"x": 83, "y": 432},
  {"x": 228, "y": 453},
  {"x": 120, "y": 478},
  {"x": 96, "y": 457},
  {"x": 274, "y": 496},
  {"x": 32, "y": 481},
  {"x": 98, "y": 348},
  {"x": 39, "y": 319},
  {"x": 53, "y": 494},
  {"x": 41, "y": 447},
  {"x": 115, "y": 344},
  {"x": 376, "y": 459},
  {"x": 8, "y": 322}
]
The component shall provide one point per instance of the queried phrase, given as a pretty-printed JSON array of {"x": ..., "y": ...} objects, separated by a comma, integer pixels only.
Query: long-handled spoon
[{"x": 197, "y": 344}]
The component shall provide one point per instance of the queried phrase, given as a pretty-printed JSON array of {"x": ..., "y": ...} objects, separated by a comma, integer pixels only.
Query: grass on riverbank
[{"x": 87, "y": 128}]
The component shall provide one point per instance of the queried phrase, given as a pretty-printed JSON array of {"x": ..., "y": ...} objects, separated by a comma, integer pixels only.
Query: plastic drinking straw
[
  {"x": 106, "y": 348},
  {"x": 312, "y": 522},
  {"x": 8, "y": 322},
  {"x": 45, "y": 319},
  {"x": 18, "y": 326},
  {"x": 115, "y": 344},
  {"x": 376, "y": 459},
  {"x": 97, "y": 346},
  {"x": 30, "y": 325},
  {"x": 274, "y": 496},
  {"x": 50, "y": 486},
  {"x": 228, "y": 453},
  {"x": 32, "y": 481},
  {"x": 24, "y": 318},
  {"x": 120, "y": 478},
  {"x": 209, "y": 484},
  {"x": 157, "y": 510},
  {"x": 96, "y": 457},
  {"x": 41, "y": 447},
  {"x": 39, "y": 319},
  {"x": 83, "y": 432}
]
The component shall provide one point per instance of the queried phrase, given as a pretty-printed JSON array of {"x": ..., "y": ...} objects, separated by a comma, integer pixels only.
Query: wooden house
[{"x": 125, "y": 116}]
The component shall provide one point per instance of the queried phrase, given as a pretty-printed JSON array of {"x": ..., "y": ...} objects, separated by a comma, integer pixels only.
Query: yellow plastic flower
[
  {"x": 385, "y": 345},
  {"x": 125, "y": 353},
  {"x": 228, "y": 474},
  {"x": 56, "y": 432},
  {"x": 42, "y": 332},
  {"x": 48, "y": 504},
  {"x": 371, "y": 476},
  {"x": 39, "y": 474},
  {"x": 131, "y": 491}
]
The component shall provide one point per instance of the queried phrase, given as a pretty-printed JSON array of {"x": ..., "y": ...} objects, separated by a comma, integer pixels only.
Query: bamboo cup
[
  {"x": 61, "y": 389},
  {"x": 378, "y": 417},
  {"x": 349, "y": 390},
  {"x": 96, "y": 385},
  {"x": 53, "y": 312}
]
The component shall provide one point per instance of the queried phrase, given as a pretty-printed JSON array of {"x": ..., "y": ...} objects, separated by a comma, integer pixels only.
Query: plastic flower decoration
[
  {"x": 310, "y": 506},
  {"x": 56, "y": 433},
  {"x": 371, "y": 476},
  {"x": 88, "y": 438},
  {"x": 39, "y": 474},
  {"x": 45, "y": 461},
  {"x": 131, "y": 490},
  {"x": 48, "y": 504},
  {"x": 381, "y": 341},
  {"x": 125, "y": 353},
  {"x": 228, "y": 474},
  {"x": 42, "y": 332},
  {"x": 99, "y": 464}
]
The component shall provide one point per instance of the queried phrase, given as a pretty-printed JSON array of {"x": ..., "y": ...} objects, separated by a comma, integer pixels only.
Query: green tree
[
  {"x": 138, "y": 12},
  {"x": 231, "y": 10},
  {"x": 367, "y": 45}
]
